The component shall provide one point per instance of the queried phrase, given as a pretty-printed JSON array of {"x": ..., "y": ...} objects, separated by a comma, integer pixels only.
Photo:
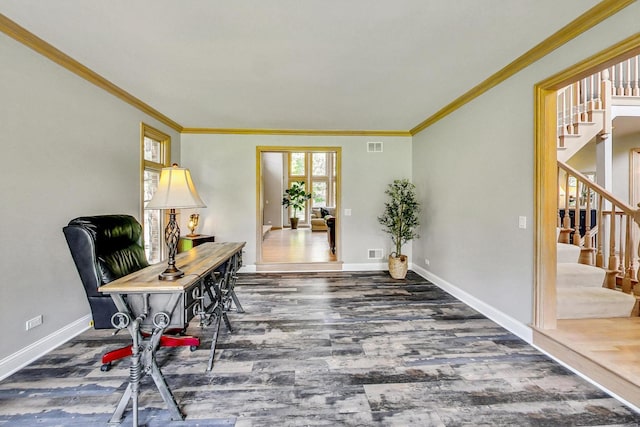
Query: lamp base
[
  {"x": 171, "y": 236},
  {"x": 171, "y": 273}
]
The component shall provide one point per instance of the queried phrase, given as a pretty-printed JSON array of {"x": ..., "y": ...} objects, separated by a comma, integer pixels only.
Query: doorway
[
  {"x": 315, "y": 244},
  {"x": 546, "y": 181}
]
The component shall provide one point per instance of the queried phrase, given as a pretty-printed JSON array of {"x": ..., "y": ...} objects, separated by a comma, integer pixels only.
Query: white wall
[
  {"x": 272, "y": 173},
  {"x": 621, "y": 163},
  {"x": 585, "y": 161},
  {"x": 69, "y": 149},
  {"x": 475, "y": 177},
  {"x": 224, "y": 170}
]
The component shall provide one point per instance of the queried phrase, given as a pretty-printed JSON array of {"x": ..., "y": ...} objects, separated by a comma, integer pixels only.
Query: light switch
[
  {"x": 522, "y": 222},
  {"x": 347, "y": 212}
]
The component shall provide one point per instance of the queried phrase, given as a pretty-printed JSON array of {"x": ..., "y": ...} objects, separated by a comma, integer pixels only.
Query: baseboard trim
[
  {"x": 253, "y": 268},
  {"x": 366, "y": 266},
  {"x": 296, "y": 267},
  {"x": 23, "y": 357},
  {"x": 521, "y": 330}
]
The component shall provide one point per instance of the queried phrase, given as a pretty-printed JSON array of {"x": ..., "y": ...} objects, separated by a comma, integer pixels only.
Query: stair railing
[
  {"x": 624, "y": 77},
  {"x": 577, "y": 100},
  {"x": 611, "y": 243}
]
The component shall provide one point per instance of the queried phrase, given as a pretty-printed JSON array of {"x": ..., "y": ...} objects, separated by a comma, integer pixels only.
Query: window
[
  {"x": 156, "y": 153},
  {"x": 323, "y": 179},
  {"x": 318, "y": 171}
]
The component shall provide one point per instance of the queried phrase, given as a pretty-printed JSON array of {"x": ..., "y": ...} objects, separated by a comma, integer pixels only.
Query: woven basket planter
[{"x": 398, "y": 266}]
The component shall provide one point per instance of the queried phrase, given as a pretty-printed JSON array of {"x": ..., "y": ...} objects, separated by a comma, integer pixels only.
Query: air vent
[
  {"x": 374, "y": 147},
  {"x": 375, "y": 253}
]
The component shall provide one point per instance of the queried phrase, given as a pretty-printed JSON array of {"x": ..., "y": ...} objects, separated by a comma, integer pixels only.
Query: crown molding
[
  {"x": 305, "y": 132},
  {"x": 613, "y": 55},
  {"x": 34, "y": 42},
  {"x": 584, "y": 22},
  {"x": 587, "y": 20}
]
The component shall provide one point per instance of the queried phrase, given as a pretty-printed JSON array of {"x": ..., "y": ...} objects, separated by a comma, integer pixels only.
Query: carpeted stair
[{"x": 579, "y": 290}]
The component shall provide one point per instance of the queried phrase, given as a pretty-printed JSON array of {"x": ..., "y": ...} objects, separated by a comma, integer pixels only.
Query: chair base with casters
[
  {"x": 105, "y": 248},
  {"x": 165, "y": 341}
]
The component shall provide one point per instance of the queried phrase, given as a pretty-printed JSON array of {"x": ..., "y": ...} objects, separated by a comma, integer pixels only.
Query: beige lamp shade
[{"x": 175, "y": 191}]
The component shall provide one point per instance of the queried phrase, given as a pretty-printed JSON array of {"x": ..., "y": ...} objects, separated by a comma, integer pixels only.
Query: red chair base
[{"x": 165, "y": 341}]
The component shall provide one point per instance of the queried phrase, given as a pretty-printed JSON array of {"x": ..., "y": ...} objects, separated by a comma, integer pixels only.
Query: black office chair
[{"x": 105, "y": 248}]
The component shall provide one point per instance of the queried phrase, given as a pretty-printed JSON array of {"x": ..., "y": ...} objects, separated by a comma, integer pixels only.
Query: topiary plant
[
  {"x": 400, "y": 217},
  {"x": 295, "y": 197}
]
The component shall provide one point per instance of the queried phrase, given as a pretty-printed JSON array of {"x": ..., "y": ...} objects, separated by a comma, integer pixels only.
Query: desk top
[{"x": 195, "y": 263}]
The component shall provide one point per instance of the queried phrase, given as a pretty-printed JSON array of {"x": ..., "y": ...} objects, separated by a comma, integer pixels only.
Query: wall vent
[
  {"x": 374, "y": 147},
  {"x": 375, "y": 253}
]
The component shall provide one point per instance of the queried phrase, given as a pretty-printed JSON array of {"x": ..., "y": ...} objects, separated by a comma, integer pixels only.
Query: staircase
[
  {"x": 598, "y": 235},
  {"x": 580, "y": 292},
  {"x": 586, "y": 287}
]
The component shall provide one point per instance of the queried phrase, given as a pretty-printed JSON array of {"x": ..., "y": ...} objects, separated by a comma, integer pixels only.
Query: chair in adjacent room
[{"x": 105, "y": 248}]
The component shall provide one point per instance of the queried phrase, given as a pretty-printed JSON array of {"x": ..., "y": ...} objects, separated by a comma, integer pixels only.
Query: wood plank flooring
[
  {"x": 609, "y": 349},
  {"x": 296, "y": 246},
  {"x": 325, "y": 349}
]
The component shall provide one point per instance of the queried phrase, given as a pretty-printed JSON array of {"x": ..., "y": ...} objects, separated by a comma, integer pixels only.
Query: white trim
[
  {"x": 586, "y": 378},
  {"x": 23, "y": 357},
  {"x": 251, "y": 268},
  {"x": 381, "y": 266},
  {"x": 625, "y": 110},
  {"x": 374, "y": 266},
  {"x": 521, "y": 330}
]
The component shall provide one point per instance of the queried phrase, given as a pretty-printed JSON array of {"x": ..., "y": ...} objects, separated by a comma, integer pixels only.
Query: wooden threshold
[
  {"x": 605, "y": 350},
  {"x": 298, "y": 266}
]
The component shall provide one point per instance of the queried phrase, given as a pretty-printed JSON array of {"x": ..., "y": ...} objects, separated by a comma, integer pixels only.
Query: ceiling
[{"x": 295, "y": 64}]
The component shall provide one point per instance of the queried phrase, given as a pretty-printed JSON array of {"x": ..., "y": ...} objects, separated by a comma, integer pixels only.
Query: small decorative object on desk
[{"x": 193, "y": 223}]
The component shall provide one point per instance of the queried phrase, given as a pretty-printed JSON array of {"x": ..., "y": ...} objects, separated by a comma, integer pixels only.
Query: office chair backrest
[{"x": 104, "y": 248}]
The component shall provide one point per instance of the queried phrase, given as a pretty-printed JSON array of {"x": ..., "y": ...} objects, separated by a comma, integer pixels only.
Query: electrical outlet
[
  {"x": 426, "y": 261},
  {"x": 32, "y": 323}
]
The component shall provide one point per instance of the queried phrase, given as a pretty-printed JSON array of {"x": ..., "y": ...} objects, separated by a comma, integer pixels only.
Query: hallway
[{"x": 293, "y": 246}]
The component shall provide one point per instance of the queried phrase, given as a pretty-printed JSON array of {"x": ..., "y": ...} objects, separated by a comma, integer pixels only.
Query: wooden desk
[{"x": 148, "y": 303}]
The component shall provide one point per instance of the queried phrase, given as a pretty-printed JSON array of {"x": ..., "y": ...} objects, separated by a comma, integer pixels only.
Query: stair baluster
[
  {"x": 612, "y": 266},
  {"x": 565, "y": 230},
  {"x": 587, "y": 251},
  {"x": 636, "y": 89},
  {"x": 628, "y": 260},
  {"x": 600, "y": 233},
  {"x": 576, "y": 216}
]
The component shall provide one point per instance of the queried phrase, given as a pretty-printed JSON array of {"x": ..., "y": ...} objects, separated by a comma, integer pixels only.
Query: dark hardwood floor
[{"x": 325, "y": 349}]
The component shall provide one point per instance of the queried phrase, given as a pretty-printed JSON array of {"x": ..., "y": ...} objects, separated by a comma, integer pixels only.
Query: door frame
[
  {"x": 545, "y": 169},
  {"x": 259, "y": 193}
]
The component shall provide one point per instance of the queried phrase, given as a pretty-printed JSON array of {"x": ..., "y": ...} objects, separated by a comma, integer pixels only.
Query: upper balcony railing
[{"x": 578, "y": 100}]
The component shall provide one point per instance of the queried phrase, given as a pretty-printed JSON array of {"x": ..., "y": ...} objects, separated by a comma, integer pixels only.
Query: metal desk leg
[
  {"x": 165, "y": 392},
  {"x": 214, "y": 339},
  {"x": 236, "y": 302},
  {"x": 236, "y": 263},
  {"x": 143, "y": 357}
]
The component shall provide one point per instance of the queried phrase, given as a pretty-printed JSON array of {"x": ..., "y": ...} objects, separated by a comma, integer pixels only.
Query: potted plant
[
  {"x": 295, "y": 197},
  {"x": 400, "y": 220}
]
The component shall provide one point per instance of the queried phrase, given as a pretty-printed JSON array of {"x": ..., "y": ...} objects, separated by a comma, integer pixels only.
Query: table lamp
[{"x": 175, "y": 191}]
